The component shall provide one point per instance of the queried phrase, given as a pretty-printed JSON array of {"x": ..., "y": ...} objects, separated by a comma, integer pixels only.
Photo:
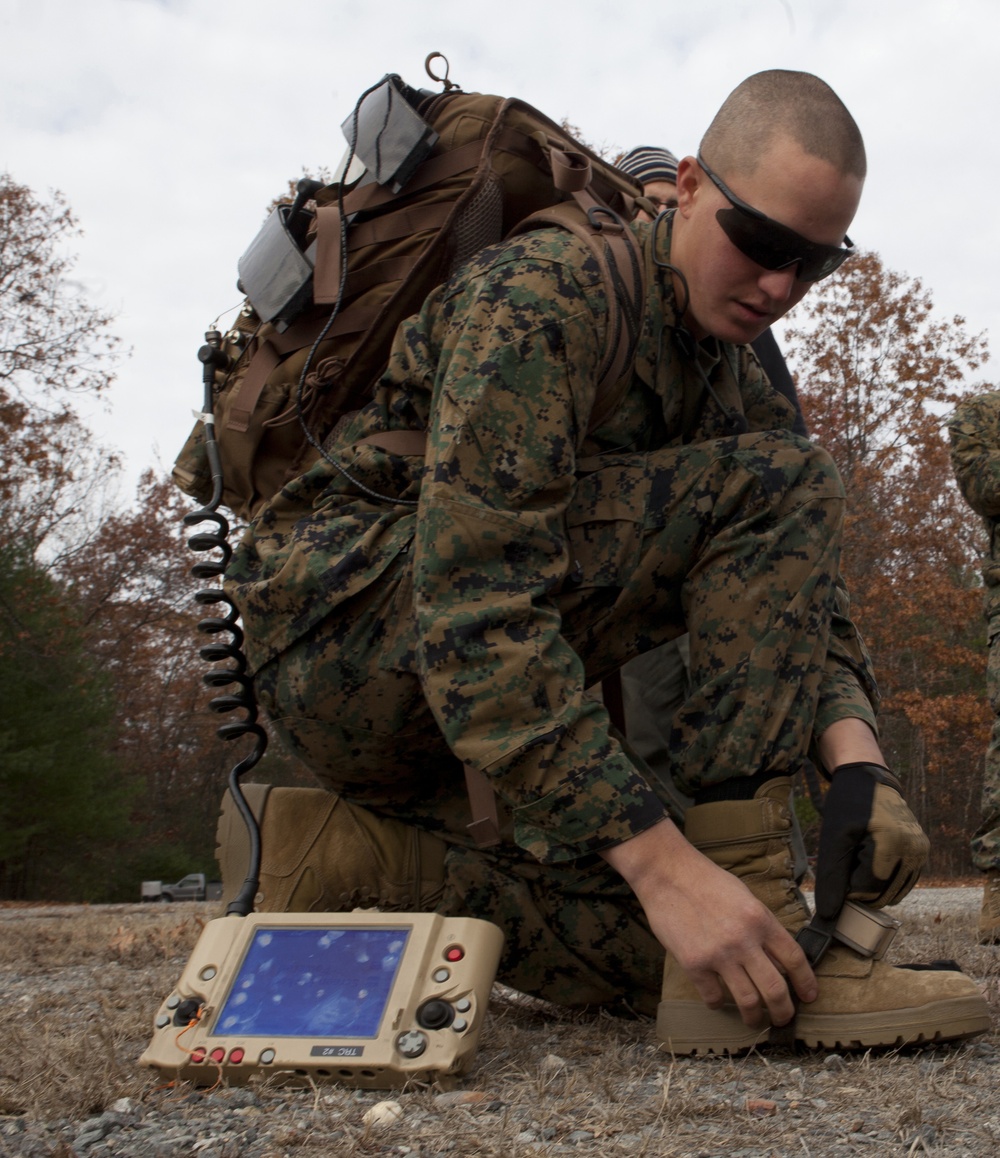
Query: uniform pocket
[{"x": 605, "y": 519}]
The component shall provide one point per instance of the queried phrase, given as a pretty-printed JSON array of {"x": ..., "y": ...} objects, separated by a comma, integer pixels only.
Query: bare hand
[{"x": 721, "y": 935}]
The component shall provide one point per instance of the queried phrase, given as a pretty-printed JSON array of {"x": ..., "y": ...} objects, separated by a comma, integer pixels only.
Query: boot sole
[
  {"x": 952, "y": 1019},
  {"x": 688, "y": 1028}
]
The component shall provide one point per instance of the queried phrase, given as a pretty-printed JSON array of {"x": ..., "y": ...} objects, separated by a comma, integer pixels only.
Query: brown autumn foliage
[
  {"x": 54, "y": 347},
  {"x": 878, "y": 371}
]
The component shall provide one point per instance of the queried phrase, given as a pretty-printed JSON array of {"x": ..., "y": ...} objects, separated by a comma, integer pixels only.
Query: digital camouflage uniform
[
  {"x": 394, "y": 642},
  {"x": 975, "y": 454}
]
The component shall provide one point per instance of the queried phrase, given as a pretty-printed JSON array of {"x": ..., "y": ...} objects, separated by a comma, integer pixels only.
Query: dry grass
[{"x": 81, "y": 986}]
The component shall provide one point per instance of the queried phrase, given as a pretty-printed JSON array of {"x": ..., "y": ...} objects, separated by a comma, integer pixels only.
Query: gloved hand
[{"x": 871, "y": 848}]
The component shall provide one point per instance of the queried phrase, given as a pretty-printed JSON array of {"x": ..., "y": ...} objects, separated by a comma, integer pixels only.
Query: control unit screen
[{"x": 313, "y": 982}]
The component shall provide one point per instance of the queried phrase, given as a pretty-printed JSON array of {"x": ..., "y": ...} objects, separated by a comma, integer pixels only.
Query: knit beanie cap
[{"x": 649, "y": 163}]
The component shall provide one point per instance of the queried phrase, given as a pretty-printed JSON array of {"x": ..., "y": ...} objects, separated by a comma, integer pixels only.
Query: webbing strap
[
  {"x": 268, "y": 353},
  {"x": 485, "y": 826},
  {"x": 390, "y": 227},
  {"x": 328, "y": 269},
  {"x": 264, "y": 360},
  {"x": 617, "y": 253},
  {"x": 383, "y": 272},
  {"x": 571, "y": 172},
  {"x": 408, "y": 442},
  {"x": 354, "y": 320},
  {"x": 399, "y": 223}
]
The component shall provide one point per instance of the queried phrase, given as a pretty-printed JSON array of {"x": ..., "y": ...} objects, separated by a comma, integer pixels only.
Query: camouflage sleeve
[
  {"x": 512, "y": 395},
  {"x": 974, "y": 428},
  {"x": 848, "y": 689}
]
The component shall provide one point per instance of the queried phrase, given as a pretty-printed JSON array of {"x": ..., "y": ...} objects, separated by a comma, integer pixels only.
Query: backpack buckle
[{"x": 612, "y": 224}]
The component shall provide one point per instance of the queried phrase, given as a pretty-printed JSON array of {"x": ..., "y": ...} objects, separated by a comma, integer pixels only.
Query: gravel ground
[{"x": 546, "y": 1083}]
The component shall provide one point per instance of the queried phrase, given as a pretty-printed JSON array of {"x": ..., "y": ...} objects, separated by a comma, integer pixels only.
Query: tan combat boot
[
  {"x": 321, "y": 854},
  {"x": 862, "y": 1002},
  {"x": 989, "y": 916},
  {"x": 752, "y": 840}
]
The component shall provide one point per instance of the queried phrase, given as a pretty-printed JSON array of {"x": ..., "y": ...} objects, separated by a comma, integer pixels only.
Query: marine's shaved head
[{"x": 779, "y": 102}]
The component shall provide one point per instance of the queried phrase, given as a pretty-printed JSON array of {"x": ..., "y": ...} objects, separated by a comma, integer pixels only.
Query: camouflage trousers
[
  {"x": 740, "y": 546},
  {"x": 986, "y": 841}
]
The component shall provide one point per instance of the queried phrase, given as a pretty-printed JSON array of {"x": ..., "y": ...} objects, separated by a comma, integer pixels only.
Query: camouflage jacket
[
  {"x": 504, "y": 354},
  {"x": 974, "y": 428}
]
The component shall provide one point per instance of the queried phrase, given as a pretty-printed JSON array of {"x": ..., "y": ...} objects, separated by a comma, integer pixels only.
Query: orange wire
[{"x": 191, "y": 1052}]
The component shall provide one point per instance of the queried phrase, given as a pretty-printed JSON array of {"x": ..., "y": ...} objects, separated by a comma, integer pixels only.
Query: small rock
[
  {"x": 833, "y": 1061},
  {"x": 96, "y": 1130},
  {"x": 242, "y": 1098},
  {"x": 552, "y": 1063},
  {"x": 382, "y": 1114},
  {"x": 460, "y": 1098},
  {"x": 580, "y": 1136},
  {"x": 761, "y": 1107}
]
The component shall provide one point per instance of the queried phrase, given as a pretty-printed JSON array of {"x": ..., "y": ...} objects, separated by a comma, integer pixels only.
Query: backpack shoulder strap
[{"x": 619, "y": 255}]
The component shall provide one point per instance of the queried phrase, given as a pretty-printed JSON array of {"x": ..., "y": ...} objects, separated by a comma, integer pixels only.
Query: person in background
[{"x": 974, "y": 427}]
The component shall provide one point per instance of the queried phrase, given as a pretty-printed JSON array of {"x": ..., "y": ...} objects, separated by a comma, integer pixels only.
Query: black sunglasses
[{"x": 771, "y": 244}]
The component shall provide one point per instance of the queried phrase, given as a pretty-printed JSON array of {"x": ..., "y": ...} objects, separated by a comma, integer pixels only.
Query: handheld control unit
[{"x": 367, "y": 998}]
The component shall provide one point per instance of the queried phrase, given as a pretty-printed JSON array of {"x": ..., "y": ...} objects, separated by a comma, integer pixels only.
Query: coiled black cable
[{"x": 230, "y": 650}]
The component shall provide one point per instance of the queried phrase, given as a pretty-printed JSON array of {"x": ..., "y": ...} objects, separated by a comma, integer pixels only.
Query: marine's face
[
  {"x": 663, "y": 194},
  {"x": 731, "y": 296}
]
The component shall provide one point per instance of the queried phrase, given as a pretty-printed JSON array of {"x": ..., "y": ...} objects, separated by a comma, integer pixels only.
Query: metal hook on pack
[
  {"x": 448, "y": 84},
  {"x": 605, "y": 220}
]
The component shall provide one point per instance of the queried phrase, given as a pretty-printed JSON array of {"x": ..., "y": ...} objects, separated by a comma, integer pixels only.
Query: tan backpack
[{"x": 445, "y": 175}]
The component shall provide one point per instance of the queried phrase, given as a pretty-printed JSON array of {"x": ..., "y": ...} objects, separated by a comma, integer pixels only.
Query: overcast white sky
[{"x": 170, "y": 125}]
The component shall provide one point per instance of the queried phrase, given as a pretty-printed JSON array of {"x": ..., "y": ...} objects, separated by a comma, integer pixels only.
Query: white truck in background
[{"x": 193, "y": 887}]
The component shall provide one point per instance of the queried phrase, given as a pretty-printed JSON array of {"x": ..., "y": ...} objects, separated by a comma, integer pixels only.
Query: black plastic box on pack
[
  {"x": 275, "y": 274},
  {"x": 392, "y": 138}
]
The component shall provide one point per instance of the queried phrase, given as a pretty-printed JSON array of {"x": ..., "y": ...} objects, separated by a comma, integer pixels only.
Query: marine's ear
[{"x": 690, "y": 181}]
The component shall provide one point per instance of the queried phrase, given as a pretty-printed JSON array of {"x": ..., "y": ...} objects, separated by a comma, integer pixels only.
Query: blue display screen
[{"x": 313, "y": 982}]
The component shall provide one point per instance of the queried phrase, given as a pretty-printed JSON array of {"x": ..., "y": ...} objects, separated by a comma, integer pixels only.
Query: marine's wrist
[{"x": 878, "y": 772}]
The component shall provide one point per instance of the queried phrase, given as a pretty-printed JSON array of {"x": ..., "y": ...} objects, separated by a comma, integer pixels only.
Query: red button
[
  {"x": 236, "y": 1056},
  {"x": 198, "y": 1055},
  {"x": 217, "y": 1055},
  {"x": 454, "y": 953}
]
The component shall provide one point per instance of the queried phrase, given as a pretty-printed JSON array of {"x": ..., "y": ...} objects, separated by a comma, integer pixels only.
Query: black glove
[{"x": 871, "y": 848}]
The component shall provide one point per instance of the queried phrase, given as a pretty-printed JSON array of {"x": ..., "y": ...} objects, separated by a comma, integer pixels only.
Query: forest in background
[{"x": 110, "y": 768}]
